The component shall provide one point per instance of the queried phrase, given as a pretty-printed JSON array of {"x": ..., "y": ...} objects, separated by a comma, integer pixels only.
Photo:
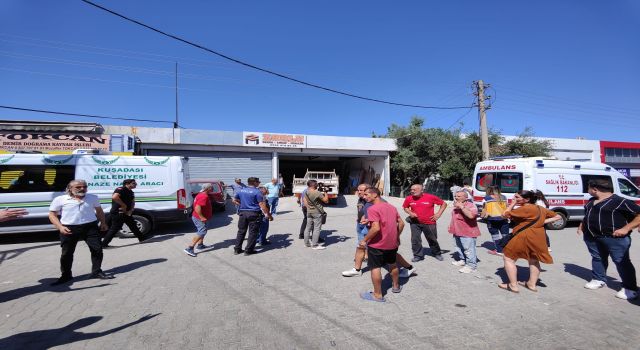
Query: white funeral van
[
  {"x": 564, "y": 183},
  {"x": 31, "y": 181}
]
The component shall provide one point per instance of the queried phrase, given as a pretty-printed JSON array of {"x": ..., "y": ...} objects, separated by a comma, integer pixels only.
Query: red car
[{"x": 217, "y": 196}]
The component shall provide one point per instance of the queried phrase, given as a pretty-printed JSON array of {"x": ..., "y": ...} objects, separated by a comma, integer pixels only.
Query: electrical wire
[
  {"x": 83, "y": 115},
  {"x": 264, "y": 70}
]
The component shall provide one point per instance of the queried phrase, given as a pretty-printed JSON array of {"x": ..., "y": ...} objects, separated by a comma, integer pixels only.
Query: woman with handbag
[{"x": 527, "y": 240}]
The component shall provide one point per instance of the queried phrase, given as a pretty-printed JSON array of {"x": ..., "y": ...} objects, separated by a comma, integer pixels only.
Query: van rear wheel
[
  {"x": 144, "y": 225},
  {"x": 558, "y": 225}
]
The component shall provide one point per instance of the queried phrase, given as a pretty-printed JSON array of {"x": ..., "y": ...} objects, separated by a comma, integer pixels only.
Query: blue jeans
[
  {"x": 601, "y": 248},
  {"x": 467, "y": 246},
  {"x": 498, "y": 229},
  {"x": 264, "y": 228},
  {"x": 273, "y": 204},
  {"x": 201, "y": 227},
  {"x": 362, "y": 231}
]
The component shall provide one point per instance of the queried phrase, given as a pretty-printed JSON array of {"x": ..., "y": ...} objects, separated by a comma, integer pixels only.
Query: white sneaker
[
  {"x": 352, "y": 273},
  {"x": 466, "y": 269},
  {"x": 319, "y": 247},
  {"x": 594, "y": 284},
  {"x": 458, "y": 263},
  {"x": 406, "y": 273},
  {"x": 626, "y": 294}
]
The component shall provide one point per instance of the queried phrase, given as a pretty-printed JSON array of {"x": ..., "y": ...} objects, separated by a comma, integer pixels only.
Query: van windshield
[{"x": 507, "y": 182}]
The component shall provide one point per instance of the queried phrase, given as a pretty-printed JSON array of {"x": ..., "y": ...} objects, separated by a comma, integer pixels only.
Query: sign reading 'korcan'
[
  {"x": 273, "y": 140},
  {"x": 52, "y": 142}
]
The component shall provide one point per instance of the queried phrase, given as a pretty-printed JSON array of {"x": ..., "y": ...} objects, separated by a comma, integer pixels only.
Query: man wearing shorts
[
  {"x": 382, "y": 242},
  {"x": 202, "y": 213}
]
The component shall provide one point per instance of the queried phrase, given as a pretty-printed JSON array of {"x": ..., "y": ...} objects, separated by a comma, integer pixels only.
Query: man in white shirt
[{"x": 79, "y": 213}]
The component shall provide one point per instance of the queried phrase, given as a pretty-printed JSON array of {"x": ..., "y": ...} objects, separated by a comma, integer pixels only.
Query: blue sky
[{"x": 566, "y": 68}]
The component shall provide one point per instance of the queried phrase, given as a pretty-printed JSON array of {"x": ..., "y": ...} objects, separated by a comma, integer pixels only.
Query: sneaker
[
  {"x": 202, "y": 247},
  {"x": 466, "y": 269},
  {"x": 319, "y": 247},
  {"x": 406, "y": 273},
  {"x": 249, "y": 252},
  {"x": 492, "y": 252},
  {"x": 416, "y": 259},
  {"x": 499, "y": 254},
  {"x": 300, "y": 236},
  {"x": 352, "y": 273},
  {"x": 62, "y": 280},
  {"x": 238, "y": 251},
  {"x": 458, "y": 263},
  {"x": 594, "y": 284},
  {"x": 439, "y": 257},
  {"x": 627, "y": 294},
  {"x": 190, "y": 252},
  {"x": 308, "y": 245}
]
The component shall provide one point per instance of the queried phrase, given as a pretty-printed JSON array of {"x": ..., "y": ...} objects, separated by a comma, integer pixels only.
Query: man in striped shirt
[{"x": 607, "y": 226}]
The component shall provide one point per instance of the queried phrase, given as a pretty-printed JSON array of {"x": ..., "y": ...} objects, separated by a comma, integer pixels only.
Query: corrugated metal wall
[{"x": 224, "y": 166}]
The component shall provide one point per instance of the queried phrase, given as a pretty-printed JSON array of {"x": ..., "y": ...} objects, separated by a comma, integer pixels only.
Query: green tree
[{"x": 448, "y": 155}]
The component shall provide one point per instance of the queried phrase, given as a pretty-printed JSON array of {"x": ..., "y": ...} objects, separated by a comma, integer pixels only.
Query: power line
[
  {"x": 264, "y": 70},
  {"x": 83, "y": 115}
]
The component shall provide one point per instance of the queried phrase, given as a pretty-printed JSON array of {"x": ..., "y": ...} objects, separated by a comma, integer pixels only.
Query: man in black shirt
[
  {"x": 607, "y": 225},
  {"x": 122, "y": 203}
]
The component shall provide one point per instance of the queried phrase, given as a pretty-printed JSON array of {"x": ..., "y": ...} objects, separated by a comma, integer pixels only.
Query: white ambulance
[
  {"x": 564, "y": 183},
  {"x": 31, "y": 181}
]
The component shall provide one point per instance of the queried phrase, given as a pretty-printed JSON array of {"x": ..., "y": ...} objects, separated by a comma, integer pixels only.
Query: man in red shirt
[
  {"x": 420, "y": 207},
  {"x": 382, "y": 242},
  {"x": 202, "y": 213}
]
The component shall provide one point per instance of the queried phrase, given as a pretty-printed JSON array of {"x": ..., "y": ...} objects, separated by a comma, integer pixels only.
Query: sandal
[
  {"x": 524, "y": 284},
  {"x": 369, "y": 296},
  {"x": 507, "y": 287}
]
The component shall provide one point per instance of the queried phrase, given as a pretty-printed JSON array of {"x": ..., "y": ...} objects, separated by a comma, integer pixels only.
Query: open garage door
[{"x": 351, "y": 170}]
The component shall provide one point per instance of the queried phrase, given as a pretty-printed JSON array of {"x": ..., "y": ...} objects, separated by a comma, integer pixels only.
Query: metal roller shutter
[{"x": 225, "y": 166}]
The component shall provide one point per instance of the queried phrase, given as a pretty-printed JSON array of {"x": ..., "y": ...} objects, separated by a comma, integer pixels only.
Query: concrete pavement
[{"x": 292, "y": 297}]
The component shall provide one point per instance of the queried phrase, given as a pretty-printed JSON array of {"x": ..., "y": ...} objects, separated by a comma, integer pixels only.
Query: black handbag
[
  {"x": 323, "y": 214},
  {"x": 505, "y": 239}
]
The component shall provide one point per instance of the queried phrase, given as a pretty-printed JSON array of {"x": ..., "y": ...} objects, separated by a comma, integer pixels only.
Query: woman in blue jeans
[{"x": 495, "y": 204}]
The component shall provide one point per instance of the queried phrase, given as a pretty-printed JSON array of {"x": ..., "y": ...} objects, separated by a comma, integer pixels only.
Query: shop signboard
[{"x": 262, "y": 139}]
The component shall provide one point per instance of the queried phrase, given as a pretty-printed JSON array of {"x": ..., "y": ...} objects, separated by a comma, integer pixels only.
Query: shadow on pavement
[
  {"x": 48, "y": 338},
  {"x": 585, "y": 274},
  {"x": 278, "y": 241},
  {"x": 43, "y": 287},
  {"x": 135, "y": 265},
  {"x": 13, "y": 253}
]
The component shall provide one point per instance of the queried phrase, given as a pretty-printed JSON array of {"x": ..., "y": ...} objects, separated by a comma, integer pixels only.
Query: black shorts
[{"x": 380, "y": 258}]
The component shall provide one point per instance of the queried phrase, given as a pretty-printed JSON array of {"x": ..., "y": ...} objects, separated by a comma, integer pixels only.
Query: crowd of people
[{"x": 517, "y": 229}]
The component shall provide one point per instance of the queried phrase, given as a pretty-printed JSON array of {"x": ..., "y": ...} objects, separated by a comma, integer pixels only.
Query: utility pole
[
  {"x": 484, "y": 134},
  {"x": 175, "y": 123}
]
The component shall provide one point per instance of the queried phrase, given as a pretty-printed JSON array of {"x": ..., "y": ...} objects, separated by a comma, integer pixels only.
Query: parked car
[{"x": 217, "y": 196}]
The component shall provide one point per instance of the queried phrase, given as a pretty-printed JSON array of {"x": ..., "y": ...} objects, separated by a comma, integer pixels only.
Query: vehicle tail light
[{"x": 182, "y": 199}]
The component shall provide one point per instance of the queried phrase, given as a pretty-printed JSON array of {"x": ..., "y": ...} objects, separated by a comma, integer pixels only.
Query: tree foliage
[{"x": 449, "y": 155}]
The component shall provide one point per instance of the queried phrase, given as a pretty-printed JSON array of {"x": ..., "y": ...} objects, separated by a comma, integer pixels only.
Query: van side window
[
  {"x": 628, "y": 189},
  {"x": 587, "y": 178},
  {"x": 507, "y": 182},
  {"x": 35, "y": 178}
]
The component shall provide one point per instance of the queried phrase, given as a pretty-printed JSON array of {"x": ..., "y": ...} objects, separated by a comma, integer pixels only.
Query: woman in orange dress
[{"x": 529, "y": 241}]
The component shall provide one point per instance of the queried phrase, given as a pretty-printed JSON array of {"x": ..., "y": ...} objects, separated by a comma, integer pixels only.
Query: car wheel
[
  {"x": 144, "y": 225},
  {"x": 558, "y": 225}
]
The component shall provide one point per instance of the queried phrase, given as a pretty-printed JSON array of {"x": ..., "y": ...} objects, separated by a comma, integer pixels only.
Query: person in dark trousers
[
  {"x": 607, "y": 225},
  {"x": 123, "y": 201},
  {"x": 250, "y": 202},
  {"x": 79, "y": 213},
  {"x": 422, "y": 219},
  {"x": 303, "y": 226}
]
